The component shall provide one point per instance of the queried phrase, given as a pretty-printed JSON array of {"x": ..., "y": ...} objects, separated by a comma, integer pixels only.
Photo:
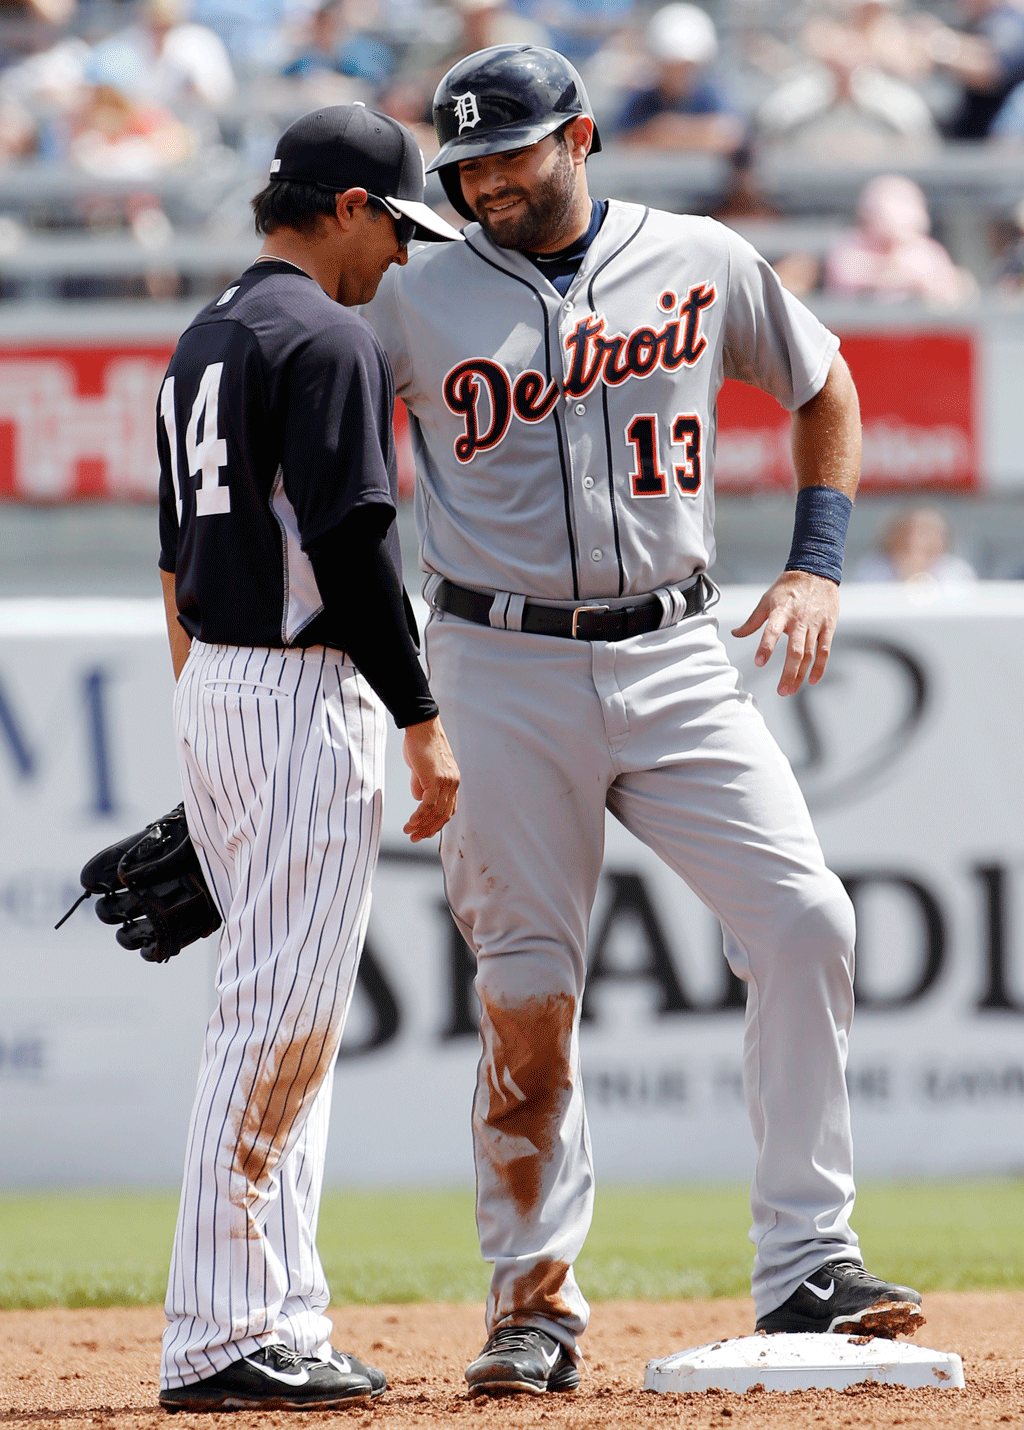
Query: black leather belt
[{"x": 589, "y": 622}]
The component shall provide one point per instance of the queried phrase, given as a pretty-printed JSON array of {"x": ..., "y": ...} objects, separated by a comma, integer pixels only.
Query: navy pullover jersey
[{"x": 273, "y": 424}]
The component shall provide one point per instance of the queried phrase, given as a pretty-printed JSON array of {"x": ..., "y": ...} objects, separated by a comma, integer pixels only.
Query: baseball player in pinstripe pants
[{"x": 290, "y": 634}]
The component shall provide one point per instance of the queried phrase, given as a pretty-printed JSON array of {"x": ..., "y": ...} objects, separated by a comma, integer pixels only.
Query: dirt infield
[{"x": 100, "y": 1368}]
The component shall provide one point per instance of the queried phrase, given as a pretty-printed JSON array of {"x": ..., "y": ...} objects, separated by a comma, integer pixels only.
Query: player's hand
[
  {"x": 804, "y": 608},
  {"x": 435, "y": 778}
]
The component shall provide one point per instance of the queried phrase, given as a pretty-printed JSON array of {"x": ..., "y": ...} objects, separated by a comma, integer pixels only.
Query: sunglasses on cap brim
[{"x": 405, "y": 227}]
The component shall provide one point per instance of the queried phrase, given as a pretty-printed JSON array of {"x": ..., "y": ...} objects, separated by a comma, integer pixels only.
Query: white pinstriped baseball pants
[
  {"x": 549, "y": 733},
  {"x": 282, "y": 764}
]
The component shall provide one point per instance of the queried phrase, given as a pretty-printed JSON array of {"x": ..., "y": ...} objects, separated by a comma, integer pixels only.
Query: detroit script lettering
[{"x": 595, "y": 356}]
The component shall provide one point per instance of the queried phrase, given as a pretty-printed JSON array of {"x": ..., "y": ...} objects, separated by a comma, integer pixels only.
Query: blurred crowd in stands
[
  {"x": 915, "y": 546},
  {"x": 134, "y": 89},
  {"x": 827, "y": 75}
]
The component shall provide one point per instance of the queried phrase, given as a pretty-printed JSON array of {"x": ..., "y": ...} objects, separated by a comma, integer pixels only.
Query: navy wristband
[{"x": 819, "y": 532}]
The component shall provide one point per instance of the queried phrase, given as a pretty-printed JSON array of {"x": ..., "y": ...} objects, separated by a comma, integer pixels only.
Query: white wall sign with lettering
[{"x": 910, "y": 756}]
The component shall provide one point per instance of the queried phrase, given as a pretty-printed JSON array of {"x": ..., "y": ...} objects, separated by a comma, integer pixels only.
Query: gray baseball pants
[{"x": 549, "y": 733}]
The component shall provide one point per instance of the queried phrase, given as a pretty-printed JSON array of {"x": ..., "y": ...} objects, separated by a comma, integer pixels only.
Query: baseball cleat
[
  {"x": 522, "y": 1359},
  {"x": 348, "y": 1364},
  {"x": 842, "y": 1296},
  {"x": 272, "y": 1378}
]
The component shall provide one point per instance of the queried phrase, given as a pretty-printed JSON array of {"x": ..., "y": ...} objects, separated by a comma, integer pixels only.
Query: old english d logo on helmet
[
  {"x": 502, "y": 98},
  {"x": 466, "y": 111}
]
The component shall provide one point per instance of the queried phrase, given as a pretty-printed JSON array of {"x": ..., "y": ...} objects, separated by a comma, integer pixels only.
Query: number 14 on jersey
[{"x": 205, "y": 455}]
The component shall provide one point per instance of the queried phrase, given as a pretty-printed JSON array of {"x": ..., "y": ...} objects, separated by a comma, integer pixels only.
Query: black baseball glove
[{"x": 152, "y": 885}]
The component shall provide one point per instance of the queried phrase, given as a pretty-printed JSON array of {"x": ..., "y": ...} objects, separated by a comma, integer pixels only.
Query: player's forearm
[
  {"x": 826, "y": 456},
  {"x": 177, "y": 637},
  {"x": 826, "y": 435},
  {"x": 362, "y": 597}
]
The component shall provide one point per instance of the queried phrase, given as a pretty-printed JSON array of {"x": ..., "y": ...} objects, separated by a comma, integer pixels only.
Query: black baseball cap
[{"x": 347, "y": 146}]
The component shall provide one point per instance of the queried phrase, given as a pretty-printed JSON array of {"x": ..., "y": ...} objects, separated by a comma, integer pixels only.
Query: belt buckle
[{"x": 579, "y": 611}]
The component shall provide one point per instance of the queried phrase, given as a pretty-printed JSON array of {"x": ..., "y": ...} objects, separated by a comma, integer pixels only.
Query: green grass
[{"x": 88, "y": 1249}]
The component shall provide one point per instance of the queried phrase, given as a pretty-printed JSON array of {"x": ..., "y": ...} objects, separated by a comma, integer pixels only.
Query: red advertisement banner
[
  {"x": 78, "y": 422},
  {"x": 917, "y": 401}
]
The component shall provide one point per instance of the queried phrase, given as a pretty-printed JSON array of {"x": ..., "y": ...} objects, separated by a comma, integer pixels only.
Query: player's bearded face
[{"x": 525, "y": 199}]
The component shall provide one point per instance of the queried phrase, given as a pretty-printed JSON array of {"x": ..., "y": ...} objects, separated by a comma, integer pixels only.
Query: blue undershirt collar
[{"x": 561, "y": 268}]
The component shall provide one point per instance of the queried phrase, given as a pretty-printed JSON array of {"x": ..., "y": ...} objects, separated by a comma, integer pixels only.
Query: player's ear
[
  {"x": 579, "y": 135},
  {"x": 347, "y": 206}
]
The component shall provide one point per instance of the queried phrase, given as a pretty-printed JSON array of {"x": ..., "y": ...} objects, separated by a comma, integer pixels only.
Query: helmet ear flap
[{"x": 452, "y": 185}]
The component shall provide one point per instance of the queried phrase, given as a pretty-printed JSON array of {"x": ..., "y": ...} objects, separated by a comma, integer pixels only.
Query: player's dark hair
[{"x": 283, "y": 204}]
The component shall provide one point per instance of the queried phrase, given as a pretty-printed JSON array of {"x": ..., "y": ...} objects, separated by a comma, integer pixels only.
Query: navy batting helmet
[{"x": 505, "y": 97}]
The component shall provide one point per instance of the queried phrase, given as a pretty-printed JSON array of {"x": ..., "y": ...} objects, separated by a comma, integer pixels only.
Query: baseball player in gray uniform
[{"x": 561, "y": 368}]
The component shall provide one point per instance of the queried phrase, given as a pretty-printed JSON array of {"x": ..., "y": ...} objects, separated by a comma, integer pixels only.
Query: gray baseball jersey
[{"x": 566, "y": 446}]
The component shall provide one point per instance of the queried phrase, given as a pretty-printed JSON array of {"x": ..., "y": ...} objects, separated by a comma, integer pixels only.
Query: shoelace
[
  {"x": 516, "y": 1338},
  {"x": 849, "y": 1271},
  {"x": 287, "y": 1359}
]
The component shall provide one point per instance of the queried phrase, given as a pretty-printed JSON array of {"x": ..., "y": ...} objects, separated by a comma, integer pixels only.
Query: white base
[{"x": 803, "y": 1362}]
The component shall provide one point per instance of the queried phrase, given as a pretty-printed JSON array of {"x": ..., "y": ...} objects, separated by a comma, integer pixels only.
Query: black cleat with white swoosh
[
  {"x": 843, "y": 1297},
  {"x": 522, "y": 1359},
  {"x": 344, "y": 1361},
  {"x": 272, "y": 1378}
]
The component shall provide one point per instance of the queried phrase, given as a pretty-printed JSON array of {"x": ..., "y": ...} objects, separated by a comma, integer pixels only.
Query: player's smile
[{"x": 498, "y": 211}]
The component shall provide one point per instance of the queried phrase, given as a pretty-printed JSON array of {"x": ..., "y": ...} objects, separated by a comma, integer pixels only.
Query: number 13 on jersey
[
  {"x": 647, "y": 477},
  {"x": 205, "y": 455}
]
